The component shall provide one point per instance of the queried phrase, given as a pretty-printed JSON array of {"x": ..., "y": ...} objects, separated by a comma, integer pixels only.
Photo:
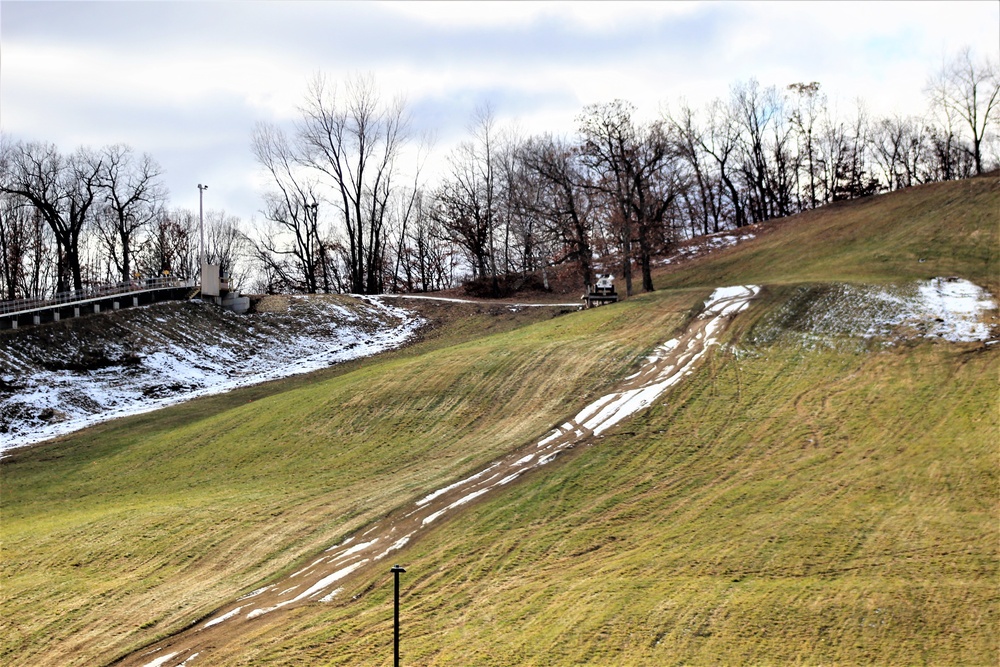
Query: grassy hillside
[
  {"x": 787, "y": 504},
  {"x": 781, "y": 507},
  {"x": 941, "y": 229},
  {"x": 146, "y": 523}
]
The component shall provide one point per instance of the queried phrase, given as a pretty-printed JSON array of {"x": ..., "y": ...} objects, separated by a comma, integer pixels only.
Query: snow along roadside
[{"x": 207, "y": 372}]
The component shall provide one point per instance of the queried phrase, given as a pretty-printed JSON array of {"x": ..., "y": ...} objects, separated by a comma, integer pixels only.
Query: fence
[{"x": 94, "y": 292}]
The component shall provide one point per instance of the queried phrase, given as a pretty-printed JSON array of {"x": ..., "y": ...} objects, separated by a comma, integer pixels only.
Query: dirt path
[
  {"x": 483, "y": 302},
  {"x": 320, "y": 581}
]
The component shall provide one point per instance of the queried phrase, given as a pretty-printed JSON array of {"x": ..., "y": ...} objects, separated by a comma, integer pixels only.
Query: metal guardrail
[{"x": 95, "y": 292}]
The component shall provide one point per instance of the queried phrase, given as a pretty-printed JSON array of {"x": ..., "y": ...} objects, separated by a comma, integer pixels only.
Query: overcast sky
[{"x": 187, "y": 81}]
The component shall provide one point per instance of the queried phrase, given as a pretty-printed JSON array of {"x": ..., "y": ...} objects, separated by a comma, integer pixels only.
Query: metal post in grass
[{"x": 395, "y": 630}]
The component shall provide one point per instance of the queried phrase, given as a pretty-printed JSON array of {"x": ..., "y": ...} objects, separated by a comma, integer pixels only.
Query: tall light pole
[
  {"x": 201, "y": 226},
  {"x": 314, "y": 232},
  {"x": 395, "y": 626}
]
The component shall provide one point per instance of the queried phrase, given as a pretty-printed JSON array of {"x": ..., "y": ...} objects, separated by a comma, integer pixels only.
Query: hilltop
[{"x": 820, "y": 489}]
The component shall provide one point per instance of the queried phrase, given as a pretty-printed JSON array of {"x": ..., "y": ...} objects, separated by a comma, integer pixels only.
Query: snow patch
[
  {"x": 440, "y": 492},
  {"x": 220, "y": 619},
  {"x": 160, "y": 661},
  {"x": 177, "y": 361},
  {"x": 325, "y": 581},
  {"x": 267, "y": 610},
  {"x": 956, "y": 307},
  {"x": 329, "y": 597},
  {"x": 949, "y": 309}
]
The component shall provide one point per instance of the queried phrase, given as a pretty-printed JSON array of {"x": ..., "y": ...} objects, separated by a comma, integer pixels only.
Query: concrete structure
[{"x": 215, "y": 289}]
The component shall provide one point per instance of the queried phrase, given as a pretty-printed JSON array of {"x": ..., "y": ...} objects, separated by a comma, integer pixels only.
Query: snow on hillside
[
  {"x": 58, "y": 379},
  {"x": 703, "y": 245},
  {"x": 950, "y": 309}
]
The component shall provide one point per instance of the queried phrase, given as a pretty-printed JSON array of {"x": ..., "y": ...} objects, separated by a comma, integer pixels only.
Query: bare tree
[
  {"x": 466, "y": 205},
  {"x": 294, "y": 242},
  {"x": 720, "y": 142},
  {"x": 968, "y": 90},
  {"x": 899, "y": 151},
  {"x": 853, "y": 176},
  {"x": 63, "y": 189},
  {"x": 425, "y": 260},
  {"x": 763, "y": 155},
  {"x": 562, "y": 200},
  {"x": 409, "y": 210},
  {"x": 170, "y": 246},
  {"x": 16, "y": 239},
  {"x": 227, "y": 245},
  {"x": 133, "y": 196},
  {"x": 630, "y": 162},
  {"x": 25, "y": 250},
  {"x": 703, "y": 195},
  {"x": 804, "y": 118},
  {"x": 356, "y": 142}
]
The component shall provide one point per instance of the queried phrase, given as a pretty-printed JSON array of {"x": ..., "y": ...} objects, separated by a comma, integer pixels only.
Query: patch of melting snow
[
  {"x": 342, "y": 544},
  {"x": 949, "y": 309},
  {"x": 308, "y": 567},
  {"x": 709, "y": 243},
  {"x": 267, "y": 610},
  {"x": 355, "y": 549},
  {"x": 956, "y": 307},
  {"x": 395, "y": 546},
  {"x": 160, "y": 661},
  {"x": 330, "y": 596},
  {"x": 431, "y": 517},
  {"x": 220, "y": 619},
  {"x": 431, "y": 496},
  {"x": 325, "y": 581}
]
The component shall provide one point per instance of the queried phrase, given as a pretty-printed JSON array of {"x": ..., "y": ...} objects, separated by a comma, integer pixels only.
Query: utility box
[{"x": 210, "y": 282}]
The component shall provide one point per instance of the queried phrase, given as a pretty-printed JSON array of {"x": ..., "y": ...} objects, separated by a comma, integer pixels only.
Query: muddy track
[{"x": 322, "y": 580}]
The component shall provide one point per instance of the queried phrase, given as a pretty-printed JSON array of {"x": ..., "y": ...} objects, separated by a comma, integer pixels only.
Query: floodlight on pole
[{"x": 201, "y": 226}]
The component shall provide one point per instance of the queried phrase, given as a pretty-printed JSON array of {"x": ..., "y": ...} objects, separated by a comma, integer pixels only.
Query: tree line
[{"x": 347, "y": 210}]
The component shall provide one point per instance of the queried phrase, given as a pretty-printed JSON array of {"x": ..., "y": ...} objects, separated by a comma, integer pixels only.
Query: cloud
[{"x": 186, "y": 81}]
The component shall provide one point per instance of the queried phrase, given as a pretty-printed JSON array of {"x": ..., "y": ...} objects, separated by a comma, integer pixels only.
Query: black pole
[{"x": 395, "y": 634}]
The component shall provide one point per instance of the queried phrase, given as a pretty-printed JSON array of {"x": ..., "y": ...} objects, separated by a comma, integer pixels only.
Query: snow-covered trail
[{"x": 321, "y": 580}]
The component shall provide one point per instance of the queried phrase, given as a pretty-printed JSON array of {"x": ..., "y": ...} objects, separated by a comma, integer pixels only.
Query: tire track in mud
[{"x": 321, "y": 580}]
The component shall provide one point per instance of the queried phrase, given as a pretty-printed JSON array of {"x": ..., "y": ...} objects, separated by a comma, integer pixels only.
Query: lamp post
[
  {"x": 314, "y": 232},
  {"x": 201, "y": 226},
  {"x": 395, "y": 627}
]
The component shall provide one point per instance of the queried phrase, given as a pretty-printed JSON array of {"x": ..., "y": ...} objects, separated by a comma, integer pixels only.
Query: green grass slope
[
  {"x": 784, "y": 505},
  {"x": 780, "y": 507},
  {"x": 940, "y": 229},
  {"x": 119, "y": 534}
]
